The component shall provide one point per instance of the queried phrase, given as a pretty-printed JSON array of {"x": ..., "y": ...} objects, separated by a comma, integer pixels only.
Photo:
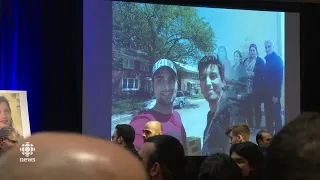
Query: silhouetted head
[
  {"x": 249, "y": 158},
  {"x": 294, "y": 151},
  {"x": 219, "y": 166},
  {"x": 164, "y": 158}
]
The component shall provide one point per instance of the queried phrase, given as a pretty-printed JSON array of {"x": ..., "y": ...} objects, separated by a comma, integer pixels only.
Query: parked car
[{"x": 179, "y": 102}]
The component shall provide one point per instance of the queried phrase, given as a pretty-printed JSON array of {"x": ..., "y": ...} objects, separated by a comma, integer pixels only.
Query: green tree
[{"x": 161, "y": 31}]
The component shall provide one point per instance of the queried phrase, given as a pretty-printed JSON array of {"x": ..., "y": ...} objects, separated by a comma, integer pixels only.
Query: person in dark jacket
[
  {"x": 212, "y": 81},
  {"x": 263, "y": 139},
  {"x": 255, "y": 67},
  {"x": 124, "y": 135},
  {"x": 274, "y": 80}
]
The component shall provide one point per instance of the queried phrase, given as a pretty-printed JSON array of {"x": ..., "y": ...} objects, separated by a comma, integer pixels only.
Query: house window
[
  {"x": 195, "y": 75},
  {"x": 130, "y": 84},
  {"x": 128, "y": 64},
  {"x": 147, "y": 86},
  {"x": 144, "y": 66}
]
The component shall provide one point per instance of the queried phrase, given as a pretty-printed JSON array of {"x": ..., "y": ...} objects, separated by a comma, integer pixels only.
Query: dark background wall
[{"x": 62, "y": 57}]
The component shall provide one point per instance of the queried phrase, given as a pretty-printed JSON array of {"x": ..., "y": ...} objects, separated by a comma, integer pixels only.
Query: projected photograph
[
  {"x": 14, "y": 112},
  {"x": 193, "y": 72}
]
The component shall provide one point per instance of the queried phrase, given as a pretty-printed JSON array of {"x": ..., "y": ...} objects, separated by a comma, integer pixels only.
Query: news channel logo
[{"x": 27, "y": 150}]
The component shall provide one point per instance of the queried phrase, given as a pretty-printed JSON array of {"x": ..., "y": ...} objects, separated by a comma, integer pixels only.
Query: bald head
[
  {"x": 152, "y": 128},
  {"x": 268, "y": 44},
  {"x": 71, "y": 156}
]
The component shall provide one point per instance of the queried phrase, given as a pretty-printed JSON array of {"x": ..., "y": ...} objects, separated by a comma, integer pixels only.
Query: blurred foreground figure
[
  {"x": 294, "y": 152},
  {"x": 71, "y": 156},
  {"x": 219, "y": 166}
]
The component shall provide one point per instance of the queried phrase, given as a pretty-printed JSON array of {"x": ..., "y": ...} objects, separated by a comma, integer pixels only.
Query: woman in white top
[{"x": 255, "y": 67}]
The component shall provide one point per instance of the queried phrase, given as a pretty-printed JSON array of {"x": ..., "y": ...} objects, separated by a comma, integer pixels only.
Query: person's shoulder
[
  {"x": 260, "y": 60},
  {"x": 278, "y": 57},
  {"x": 176, "y": 117},
  {"x": 141, "y": 118},
  {"x": 176, "y": 113}
]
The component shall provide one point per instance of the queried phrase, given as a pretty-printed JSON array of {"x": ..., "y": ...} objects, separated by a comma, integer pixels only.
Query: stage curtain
[{"x": 21, "y": 53}]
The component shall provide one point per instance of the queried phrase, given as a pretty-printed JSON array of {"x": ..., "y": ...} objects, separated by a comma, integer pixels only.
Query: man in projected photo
[
  {"x": 212, "y": 80},
  {"x": 5, "y": 113},
  {"x": 165, "y": 86},
  {"x": 274, "y": 80}
]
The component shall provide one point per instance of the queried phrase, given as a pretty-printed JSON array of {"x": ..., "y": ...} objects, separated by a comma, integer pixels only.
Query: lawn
[
  {"x": 127, "y": 105},
  {"x": 198, "y": 96}
]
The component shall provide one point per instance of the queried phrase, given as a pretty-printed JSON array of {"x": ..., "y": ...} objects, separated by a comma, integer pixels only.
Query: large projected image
[{"x": 197, "y": 71}]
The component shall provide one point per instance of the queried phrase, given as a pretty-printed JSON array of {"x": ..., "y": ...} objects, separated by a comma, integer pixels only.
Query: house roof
[
  {"x": 131, "y": 54},
  {"x": 186, "y": 67}
]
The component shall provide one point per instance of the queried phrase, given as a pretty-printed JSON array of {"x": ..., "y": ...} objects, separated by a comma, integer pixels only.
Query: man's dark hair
[
  {"x": 127, "y": 132},
  {"x": 169, "y": 153},
  {"x": 259, "y": 136},
  {"x": 294, "y": 152},
  {"x": 128, "y": 135},
  {"x": 253, "y": 155},
  {"x": 207, "y": 60},
  {"x": 219, "y": 166}
]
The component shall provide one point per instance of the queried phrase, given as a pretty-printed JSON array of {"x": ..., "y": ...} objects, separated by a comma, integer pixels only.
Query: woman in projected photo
[
  {"x": 255, "y": 67},
  {"x": 239, "y": 82},
  {"x": 223, "y": 58},
  {"x": 5, "y": 113},
  {"x": 239, "y": 70}
]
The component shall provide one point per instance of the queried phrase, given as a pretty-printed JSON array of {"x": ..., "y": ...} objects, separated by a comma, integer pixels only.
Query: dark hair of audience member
[
  {"x": 253, "y": 155},
  {"x": 207, "y": 60},
  {"x": 169, "y": 153},
  {"x": 127, "y": 132},
  {"x": 219, "y": 166},
  {"x": 294, "y": 151},
  {"x": 259, "y": 136}
]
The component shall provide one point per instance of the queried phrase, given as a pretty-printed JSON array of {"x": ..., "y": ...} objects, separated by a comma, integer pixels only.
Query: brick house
[{"x": 132, "y": 77}]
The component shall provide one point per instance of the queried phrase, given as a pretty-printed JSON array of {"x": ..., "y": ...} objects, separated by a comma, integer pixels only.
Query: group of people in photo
[
  {"x": 234, "y": 93},
  {"x": 256, "y": 80}
]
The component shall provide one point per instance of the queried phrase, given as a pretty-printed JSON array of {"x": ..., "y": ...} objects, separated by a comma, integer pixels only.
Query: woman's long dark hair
[
  {"x": 253, "y": 155},
  {"x": 240, "y": 55}
]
